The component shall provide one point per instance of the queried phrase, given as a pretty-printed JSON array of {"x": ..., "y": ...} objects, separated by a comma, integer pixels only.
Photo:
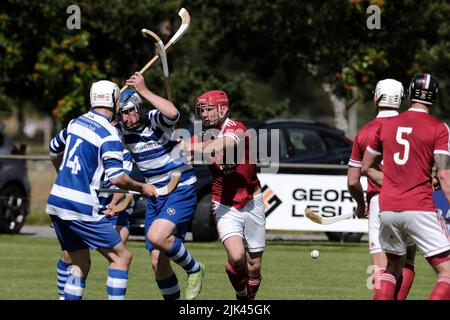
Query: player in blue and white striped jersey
[
  {"x": 120, "y": 220},
  {"x": 88, "y": 148},
  {"x": 149, "y": 138}
]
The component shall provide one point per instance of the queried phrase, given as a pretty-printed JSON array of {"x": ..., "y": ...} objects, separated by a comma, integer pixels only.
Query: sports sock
[
  {"x": 61, "y": 277},
  {"x": 441, "y": 290},
  {"x": 116, "y": 284},
  {"x": 387, "y": 287},
  {"x": 253, "y": 286},
  {"x": 238, "y": 279},
  {"x": 170, "y": 289},
  {"x": 74, "y": 288},
  {"x": 407, "y": 279},
  {"x": 181, "y": 256}
]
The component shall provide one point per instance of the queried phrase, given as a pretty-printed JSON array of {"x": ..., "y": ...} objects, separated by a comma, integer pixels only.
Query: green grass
[{"x": 27, "y": 271}]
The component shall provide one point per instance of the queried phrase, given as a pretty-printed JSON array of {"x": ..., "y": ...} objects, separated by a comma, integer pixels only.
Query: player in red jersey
[
  {"x": 387, "y": 97},
  {"x": 410, "y": 144},
  {"x": 237, "y": 201}
]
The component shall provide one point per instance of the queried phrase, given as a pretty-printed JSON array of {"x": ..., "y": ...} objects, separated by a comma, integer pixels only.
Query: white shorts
[
  {"x": 426, "y": 229},
  {"x": 374, "y": 227},
  {"x": 249, "y": 223}
]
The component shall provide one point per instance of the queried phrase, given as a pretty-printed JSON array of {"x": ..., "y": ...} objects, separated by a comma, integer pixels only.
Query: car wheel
[
  {"x": 12, "y": 208},
  {"x": 344, "y": 236},
  {"x": 203, "y": 224}
]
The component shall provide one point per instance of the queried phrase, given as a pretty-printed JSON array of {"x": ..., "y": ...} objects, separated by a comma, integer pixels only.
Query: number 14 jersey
[{"x": 408, "y": 144}]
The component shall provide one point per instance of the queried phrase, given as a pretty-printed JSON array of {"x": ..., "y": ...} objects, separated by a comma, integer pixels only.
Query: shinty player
[
  {"x": 148, "y": 136},
  {"x": 387, "y": 98},
  {"x": 237, "y": 202},
  {"x": 410, "y": 144}
]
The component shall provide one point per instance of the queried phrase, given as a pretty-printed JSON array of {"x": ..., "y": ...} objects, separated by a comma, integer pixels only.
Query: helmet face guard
[
  {"x": 215, "y": 100},
  {"x": 129, "y": 102}
]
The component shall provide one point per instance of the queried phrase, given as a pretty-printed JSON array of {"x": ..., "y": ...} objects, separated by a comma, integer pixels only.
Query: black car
[
  {"x": 301, "y": 141},
  {"x": 14, "y": 186}
]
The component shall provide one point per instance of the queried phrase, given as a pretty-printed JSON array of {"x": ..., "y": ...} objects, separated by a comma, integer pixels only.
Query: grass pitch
[{"x": 28, "y": 271}]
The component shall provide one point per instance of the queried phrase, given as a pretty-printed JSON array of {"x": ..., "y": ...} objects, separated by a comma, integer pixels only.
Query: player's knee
[
  {"x": 157, "y": 240},
  {"x": 127, "y": 257},
  {"x": 236, "y": 261}
]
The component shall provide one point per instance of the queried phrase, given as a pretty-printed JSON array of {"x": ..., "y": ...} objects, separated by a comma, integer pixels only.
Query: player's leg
[
  {"x": 161, "y": 236},
  {"x": 230, "y": 227},
  {"x": 393, "y": 242},
  {"x": 377, "y": 256},
  {"x": 167, "y": 231},
  {"x": 78, "y": 272},
  {"x": 236, "y": 265},
  {"x": 255, "y": 240},
  {"x": 406, "y": 279},
  {"x": 441, "y": 265},
  {"x": 166, "y": 279},
  {"x": 102, "y": 236},
  {"x": 254, "y": 262},
  {"x": 429, "y": 233},
  {"x": 78, "y": 253},
  {"x": 62, "y": 272}
]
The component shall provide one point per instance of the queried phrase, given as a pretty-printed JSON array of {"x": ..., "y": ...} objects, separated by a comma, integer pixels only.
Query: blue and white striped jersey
[
  {"x": 92, "y": 147},
  {"x": 156, "y": 152},
  {"x": 105, "y": 198}
]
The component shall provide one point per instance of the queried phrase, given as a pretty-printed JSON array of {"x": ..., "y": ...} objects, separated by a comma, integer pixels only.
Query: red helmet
[{"x": 211, "y": 98}]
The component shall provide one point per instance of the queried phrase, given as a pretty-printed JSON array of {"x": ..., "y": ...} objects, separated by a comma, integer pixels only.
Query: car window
[
  {"x": 335, "y": 142},
  {"x": 305, "y": 142}
]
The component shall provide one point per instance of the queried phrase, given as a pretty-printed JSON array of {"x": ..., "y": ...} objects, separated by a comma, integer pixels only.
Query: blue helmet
[{"x": 130, "y": 99}]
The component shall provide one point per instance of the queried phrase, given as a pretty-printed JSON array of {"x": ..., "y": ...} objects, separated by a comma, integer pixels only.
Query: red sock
[
  {"x": 441, "y": 290},
  {"x": 237, "y": 278},
  {"x": 376, "y": 278},
  {"x": 253, "y": 286},
  {"x": 387, "y": 287},
  {"x": 405, "y": 284}
]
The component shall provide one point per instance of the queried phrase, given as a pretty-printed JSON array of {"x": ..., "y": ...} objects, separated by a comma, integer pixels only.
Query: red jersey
[
  {"x": 363, "y": 139},
  {"x": 234, "y": 183},
  {"x": 408, "y": 143}
]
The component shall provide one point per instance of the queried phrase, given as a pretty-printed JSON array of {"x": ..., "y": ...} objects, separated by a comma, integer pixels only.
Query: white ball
[{"x": 314, "y": 254}]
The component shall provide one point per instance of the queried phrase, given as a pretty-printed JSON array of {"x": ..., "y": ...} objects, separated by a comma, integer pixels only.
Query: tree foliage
[{"x": 264, "y": 53}]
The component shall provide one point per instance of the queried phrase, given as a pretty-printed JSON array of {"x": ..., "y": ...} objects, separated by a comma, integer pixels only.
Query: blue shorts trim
[
  {"x": 77, "y": 234},
  {"x": 178, "y": 207}
]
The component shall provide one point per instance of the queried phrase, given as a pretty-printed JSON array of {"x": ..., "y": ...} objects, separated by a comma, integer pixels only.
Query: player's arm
[
  {"x": 375, "y": 175},
  {"x": 212, "y": 147},
  {"x": 127, "y": 167},
  {"x": 371, "y": 161},
  {"x": 356, "y": 190},
  {"x": 164, "y": 106},
  {"x": 111, "y": 153},
  {"x": 56, "y": 149},
  {"x": 442, "y": 163}
]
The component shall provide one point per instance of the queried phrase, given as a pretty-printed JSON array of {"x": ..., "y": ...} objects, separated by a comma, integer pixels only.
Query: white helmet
[
  {"x": 104, "y": 93},
  {"x": 388, "y": 93}
]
